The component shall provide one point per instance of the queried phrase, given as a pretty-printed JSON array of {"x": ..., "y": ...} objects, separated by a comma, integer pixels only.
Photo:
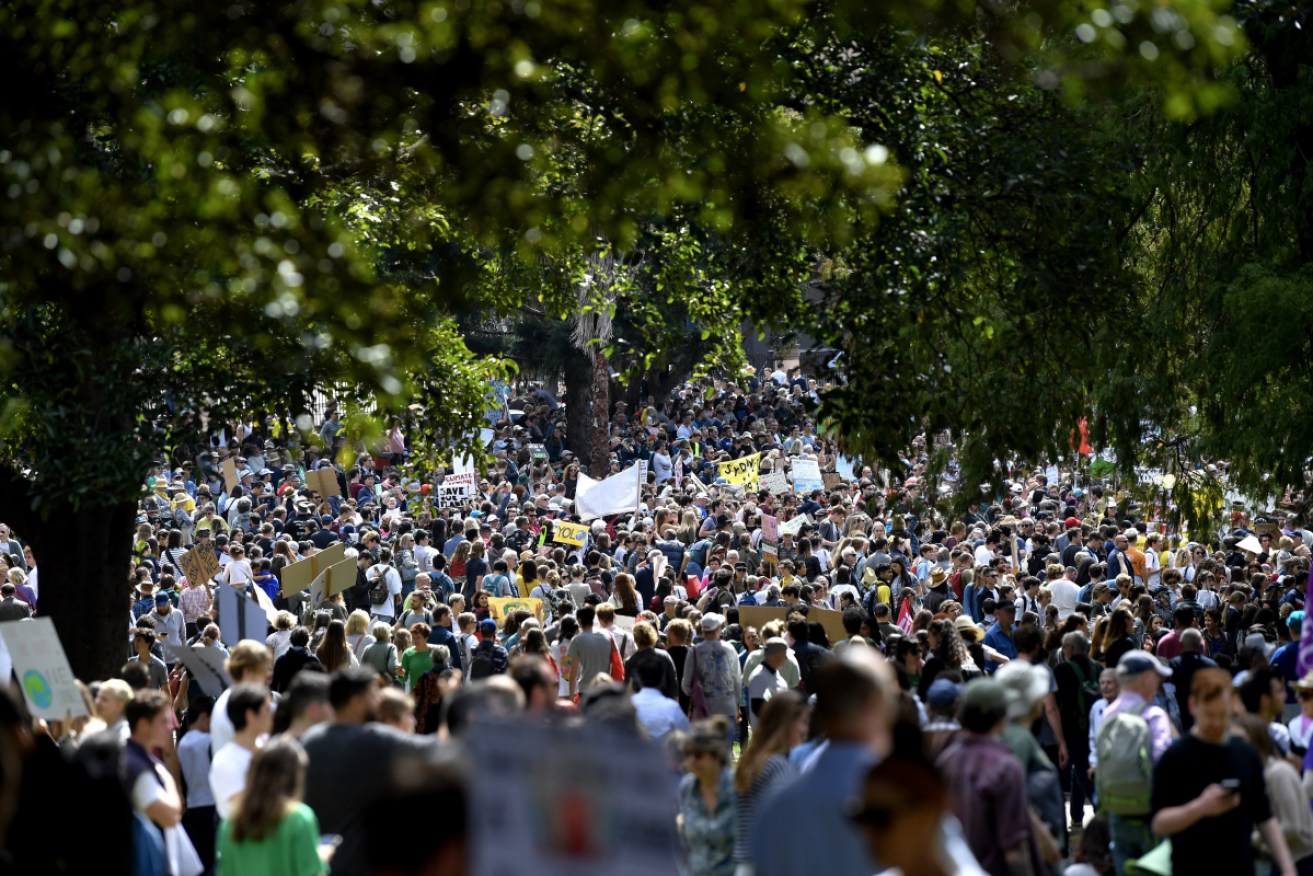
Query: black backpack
[{"x": 483, "y": 663}]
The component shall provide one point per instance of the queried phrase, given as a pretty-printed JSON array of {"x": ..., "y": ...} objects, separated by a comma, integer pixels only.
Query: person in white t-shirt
[
  {"x": 248, "y": 663},
  {"x": 1065, "y": 592},
  {"x": 250, "y": 710},
  {"x": 384, "y": 571}
]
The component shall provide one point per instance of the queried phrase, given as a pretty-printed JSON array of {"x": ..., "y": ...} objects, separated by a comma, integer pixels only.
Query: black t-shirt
[{"x": 1219, "y": 844}]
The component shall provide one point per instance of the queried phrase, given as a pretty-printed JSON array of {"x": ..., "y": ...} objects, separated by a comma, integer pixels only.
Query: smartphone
[{"x": 1231, "y": 785}]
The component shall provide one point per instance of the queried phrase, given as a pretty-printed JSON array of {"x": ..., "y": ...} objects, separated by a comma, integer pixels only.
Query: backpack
[
  {"x": 482, "y": 664},
  {"x": 378, "y": 591},
  {"x": 181, "y": 519},
  {"x": 1125, "y": 774}
]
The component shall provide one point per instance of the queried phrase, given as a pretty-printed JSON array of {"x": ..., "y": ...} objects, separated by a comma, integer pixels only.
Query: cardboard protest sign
[
  {"x": 323, "y": 481},
  {"x": 831, "y": 479},
  {"x": 452, "y": 495},
  {"x": 299, "y": 575},
  {"x": 1261, "y": 529},
  {"x": 337, "y": 578},
  {"x": 501, "y": 606},
  {"x": 776, "y": 482},
  {"x": 760, "y": 615},
  {"x": 570, "y": 533},
  {"x": 230, "y": 479},
  {"x": 743, "y": 471},
  {"x": 806, "y": 476},
  {"x": 794, "y": 526},
  {"x": 240, "y": 617},
  {"x": 201, "y": 564},
  {"x": 831, "y": 620},
  {"x": 38, "y": 660},
  {"x": 564, "y": 813},
  {"x": 205, "y": 665}
]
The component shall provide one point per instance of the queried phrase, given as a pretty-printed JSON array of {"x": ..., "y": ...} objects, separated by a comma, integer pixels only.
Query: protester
[
  {"x": 707, "y": 805},
  {"x": 271, "y": 832}
]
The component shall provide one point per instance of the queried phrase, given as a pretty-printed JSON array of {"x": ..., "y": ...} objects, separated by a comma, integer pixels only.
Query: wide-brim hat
[{"x": 967, "y": 629}]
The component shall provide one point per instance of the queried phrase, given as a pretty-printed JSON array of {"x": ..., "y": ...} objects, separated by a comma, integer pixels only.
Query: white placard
[
  {"x": 807, "y": 476},
  {"x": 451, "y": 495},
  {"x": 776, "y": 482},
  {"x": 42, "y": 667}
]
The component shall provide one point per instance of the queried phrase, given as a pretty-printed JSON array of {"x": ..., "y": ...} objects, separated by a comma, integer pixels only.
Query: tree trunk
[
  {"x": 599, "y": 458},
  {"x": 84, "y": 558},
  {"x": 578, "y": 394}
]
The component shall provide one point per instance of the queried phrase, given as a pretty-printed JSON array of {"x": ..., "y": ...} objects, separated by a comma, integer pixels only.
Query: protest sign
[
  {"x": 323, "y": 481},
  {"x": 760, "y": 615},
  {"x": 468, "y": 478},
  {"x": 240, "y": 617},
  {"x": 299, "y": 575},
  {"x": 625, "y": 622},
  {"x": 266, "y": 604},
  {"x": 337, "y": 578},
  {"x": 679, "y": 471},
  {"x": 501, "y": 606},
  {"x": 230, "y": 479},
  {"x": 770, "y": 538},
  {"x": 831, "y": 620},
  {"x": 537, "y": 452},
  {"x": 601, "y": 804},
  {"x": 618, "y": 494},
  {"x": 642, "y": 471},
  {"x": 795, "y": 525},
  {"x": 42, "y": 668},
  {"x": 6, "y": 663},
  {"x": 570, "y": 533},
  {"x": 201, "y": 564},
  {"x": 742, "y": 472},
  {"x": 831, "y": 479},
  {"x": 776, "y": 482},
  {"x": 806, "y": 476},
  {"x": 203, "y": 664},
  {"x": 452, "y": 495},
  {"x": 846, "y": 468}
]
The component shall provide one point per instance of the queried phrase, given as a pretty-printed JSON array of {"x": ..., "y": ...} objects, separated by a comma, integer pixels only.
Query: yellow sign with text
[
  {"x": 570, "y": 533},
  {"x": 744, "y": 471},
  {"x": 501, "y": 606}
]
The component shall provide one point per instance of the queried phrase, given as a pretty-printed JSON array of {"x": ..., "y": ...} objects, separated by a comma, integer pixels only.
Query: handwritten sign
[
  {"x": 300, "y": 575},
  {"x": 770, "y": 529},
  {"x": 776, "y": 482},
  {"x": 806, "y": 476},
  {"x": 570, "y": 533},
  {"x": 742, "y": 471},
  {"x": 794, "y": 526},
  {"x": 451, "y": 495},
  {"x": 41, "y": 665},
  {"x": 831, "y": 479},
  {"x": 200, "y": 564}
]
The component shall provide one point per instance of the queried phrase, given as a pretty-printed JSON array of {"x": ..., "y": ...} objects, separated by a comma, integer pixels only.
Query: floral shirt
[
  {"x": 715, "y": 665},
  {"x": 709, "y": 836}
]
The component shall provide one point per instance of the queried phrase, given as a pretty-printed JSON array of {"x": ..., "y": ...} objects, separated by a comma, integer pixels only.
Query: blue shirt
[
  {"x": 1286, "y": 659},
  {"x": 1001, "y": 642},
  {"x": 804, "y": 823}
]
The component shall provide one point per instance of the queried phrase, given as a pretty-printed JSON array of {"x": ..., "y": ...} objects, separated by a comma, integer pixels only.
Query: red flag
[
  {"x": 1084, "y": 449},
  {"x": 905, "y": 617}
]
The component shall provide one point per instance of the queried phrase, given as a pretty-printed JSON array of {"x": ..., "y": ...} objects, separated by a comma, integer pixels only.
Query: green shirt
[
  {"x": 416, "y": 663},
  {"x": 291, "y": 850}
]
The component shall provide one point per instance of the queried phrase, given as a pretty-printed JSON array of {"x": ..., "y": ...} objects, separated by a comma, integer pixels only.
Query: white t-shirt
[
  {"x": 983, "y": 555},
  {"x": 393, "y": 580},
  {"x": 1065, "y": 596},
  {"x": 763, "y": 684},
  {"x": 228, "y": 776},
  {"x": 238, "y": 572},
  {"x": 221, "y": 727}
]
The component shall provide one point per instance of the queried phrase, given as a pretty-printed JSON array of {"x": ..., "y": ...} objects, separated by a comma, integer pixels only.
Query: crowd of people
[{"x": 1053, "y": 681}]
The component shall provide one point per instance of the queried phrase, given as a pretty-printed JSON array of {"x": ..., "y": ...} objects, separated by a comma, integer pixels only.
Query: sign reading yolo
[
  {"x": 742, "y": 471},
  {"x": 42, "y": 668},
  {"x": 570, "y": 533}
]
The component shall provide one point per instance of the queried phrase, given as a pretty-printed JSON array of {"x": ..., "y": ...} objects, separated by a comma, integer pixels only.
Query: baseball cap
[
  {"x": 161, "y": 598},
  {"x": 712, "y": 622},
  {"x": 1136, "y": 662},
  {"x": 984, "y": 693},
  {"x": 775, "y": 645},
  {"x": 488, "y": 624},
  {"x": 943, "y": 695},
  {"x": 1071, "y": 523}
]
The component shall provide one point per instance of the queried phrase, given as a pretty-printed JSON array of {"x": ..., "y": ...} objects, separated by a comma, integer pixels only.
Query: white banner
[{"x": 617, "y": 494}]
